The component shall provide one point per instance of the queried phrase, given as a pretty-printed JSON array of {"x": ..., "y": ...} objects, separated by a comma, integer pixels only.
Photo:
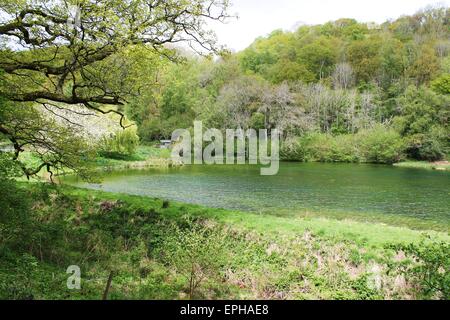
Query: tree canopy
[
  {"x": 338, "y": 78},
  {"x": 92, "y": 53}
]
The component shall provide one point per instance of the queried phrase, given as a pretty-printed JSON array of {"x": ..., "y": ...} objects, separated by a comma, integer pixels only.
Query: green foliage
[
  {"x": 336, "y": 79},
  {"x": 364, "y": 56},
  {"x": 377, "y": 145},
  {"x": 51, "y": 144},
  {"x": 181, "y": 96},
  {"x": 291, "y": 150},
  {"x": 197, "y": 252},
  {"x": 118, "y": 56},
  {"x": 425, "y": 65},
  {"x": 15, "y": 222},
  {"x": 121, "y": 143},
  {"x": 423, "y": 121},
  {"x": 381, "y": 145},
  {"x": 8, "y": 168},
  {"x": 427, "y": 267},
  {"x": 364, "y": 290},
  {"x": 442, "y": 84},
  {"x": 319, "y": 57},
  {"x": 318, "y": 147},
  {"x": 257, "y": 121},
  {"x": 393, "y": 62},
  {"x": 431, "y": 146},
  {"x": 152, "y": 129},
  {"x": 285, "y": 70}
]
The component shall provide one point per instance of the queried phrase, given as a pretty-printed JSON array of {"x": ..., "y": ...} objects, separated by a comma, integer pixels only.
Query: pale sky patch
[{"x": 260, "y": 17}]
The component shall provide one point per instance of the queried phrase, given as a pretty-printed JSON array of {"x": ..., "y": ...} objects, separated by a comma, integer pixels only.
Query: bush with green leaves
[
  {"x": 442, "y": 84},
  {"x": 376, "y": 145},
  {"x": 121, "y": 143},
  {"x": 380, "y": 145},
  {"x": 427, "y": 267},
  {"x": 318, "y": 147},
  {"x": 431, "y": 146},
  {"x": 291, "y": 150},
  {"x": 196, "y": 252},
  {"x": 423, "y": 122},
  {"x": 8, "y": 168}
]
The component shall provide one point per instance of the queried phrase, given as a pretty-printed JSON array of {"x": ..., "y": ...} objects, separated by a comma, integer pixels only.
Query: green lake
[{"x": 368, "y": 192}]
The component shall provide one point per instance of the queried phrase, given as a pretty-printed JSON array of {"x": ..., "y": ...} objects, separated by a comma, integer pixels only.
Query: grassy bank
[
  {"x": 371, "y": 233},
  {"x": 144, "y": 157},
  {"x": 157, "y": 249},
  {"x": 441, "y": 165}
]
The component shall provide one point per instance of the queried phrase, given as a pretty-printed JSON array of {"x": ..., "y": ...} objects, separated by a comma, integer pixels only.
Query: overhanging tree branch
[{"x": 77, "y": 63}]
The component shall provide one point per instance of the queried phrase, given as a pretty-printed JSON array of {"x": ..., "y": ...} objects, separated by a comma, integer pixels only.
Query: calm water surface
[{"x": 374, "y": 189}]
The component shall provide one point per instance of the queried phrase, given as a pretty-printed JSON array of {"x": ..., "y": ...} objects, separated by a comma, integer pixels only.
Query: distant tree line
[{"x": 336, "y": 79}]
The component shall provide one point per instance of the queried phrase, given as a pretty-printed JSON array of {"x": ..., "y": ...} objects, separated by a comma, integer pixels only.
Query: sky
[{"x": 260, "y": 17}]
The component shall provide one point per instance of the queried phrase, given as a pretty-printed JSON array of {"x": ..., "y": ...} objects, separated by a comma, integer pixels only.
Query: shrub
[
  {"x": 257, "y": 121},
  {"x": 318, "y": 147},
  {"x": 442, "y": 84},
  {"x": 291, "y": 150},
  {"x": 431, "y": 146},
  {"x": 121, "y": 143},
  {"x": 150, "y": 130},
  {"x": 428, "y": 268},
  {"x": 381, "y": 145},
  {"x": 377, "y": 145},
  {"x": 196, "y": 252},
  {"x": 345, "y": 148}
]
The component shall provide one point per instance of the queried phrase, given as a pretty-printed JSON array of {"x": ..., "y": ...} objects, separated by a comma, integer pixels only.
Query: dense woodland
[{"x": 342, "y": 91}]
